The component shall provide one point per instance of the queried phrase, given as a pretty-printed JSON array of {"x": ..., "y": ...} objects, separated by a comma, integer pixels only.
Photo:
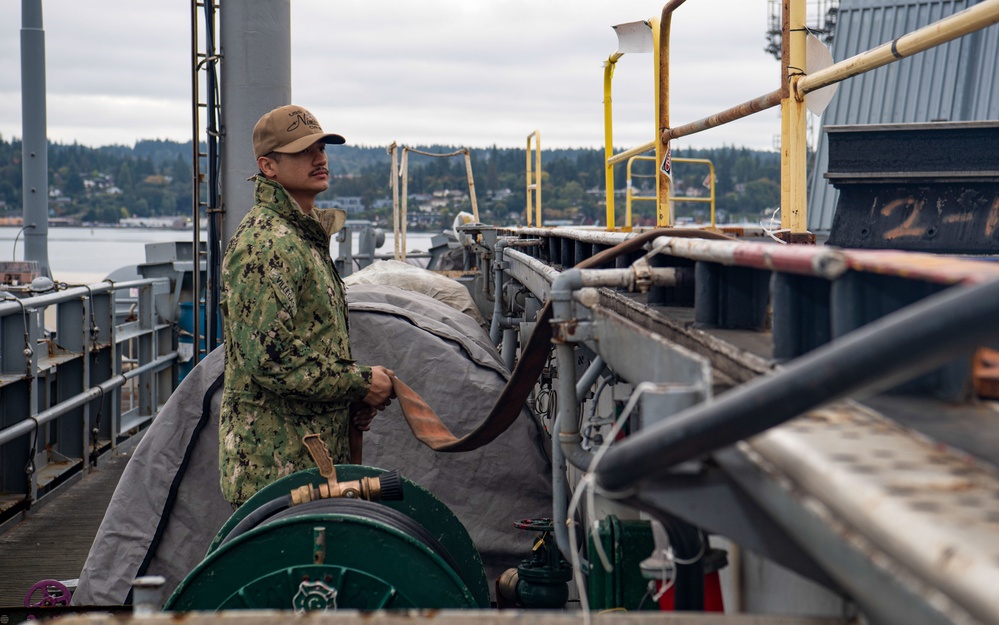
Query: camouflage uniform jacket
[{"x": 288, "y": 369}]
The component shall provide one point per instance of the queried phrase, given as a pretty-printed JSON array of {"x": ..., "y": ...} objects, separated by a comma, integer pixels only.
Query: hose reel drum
[{"x": 338, "y": 553}]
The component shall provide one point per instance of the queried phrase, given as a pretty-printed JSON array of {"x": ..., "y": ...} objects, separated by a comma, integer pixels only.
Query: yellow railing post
[
  {"x": 794, "y": 150},
  {"x": 609, "y": 65},
  {"x": 660, "y": 39},
  {"x": 984, "y": 13},
  {"x": 633, "y": 37},
  {"x": 534, "y": 188},
  {"x": 711, "y": 190}
]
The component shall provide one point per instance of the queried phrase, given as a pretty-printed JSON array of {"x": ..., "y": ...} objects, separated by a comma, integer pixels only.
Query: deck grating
[{"x": 53, "y": 542}]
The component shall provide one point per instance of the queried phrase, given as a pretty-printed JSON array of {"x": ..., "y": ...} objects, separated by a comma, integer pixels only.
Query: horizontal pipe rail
[
  {"x": 532, "y": 273},
  {"x": 926, "y": 267},
  {"x": 823, "y": 262},
  {"x": 75, "y": 293},
  {"x": 629, "y": 278},
  {"x": 522, "y": 242},
  {"x": 623, "y": 156},
  {"x": 738, "y": 111},
  {"x": 973, "y": 18},
  {"x": 26, "y": 426},
  {"x": 819, "y": 261},
  {"x": 600, "y": 237},
  {"x": 829, "y": 263}
]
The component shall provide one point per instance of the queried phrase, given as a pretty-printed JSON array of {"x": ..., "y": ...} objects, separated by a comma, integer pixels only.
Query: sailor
[{"x": 288, "y": 368}]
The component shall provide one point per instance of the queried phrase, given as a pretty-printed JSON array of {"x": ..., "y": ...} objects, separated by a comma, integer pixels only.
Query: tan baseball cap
[{"x": 289, "y": 129}]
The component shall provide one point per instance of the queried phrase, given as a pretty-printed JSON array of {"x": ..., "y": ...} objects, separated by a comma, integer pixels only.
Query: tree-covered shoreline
[{"x": 154, "y": 178}]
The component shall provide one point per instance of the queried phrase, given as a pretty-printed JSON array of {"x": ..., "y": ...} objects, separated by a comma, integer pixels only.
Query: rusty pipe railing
[
  {"x": 981, "y": 15},
  {"x": 732, "y": 114},
  {"x": 794, "y": 86}
]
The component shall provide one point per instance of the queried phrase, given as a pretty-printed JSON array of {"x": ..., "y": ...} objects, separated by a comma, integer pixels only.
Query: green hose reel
[{"x": 337, "y": 554}]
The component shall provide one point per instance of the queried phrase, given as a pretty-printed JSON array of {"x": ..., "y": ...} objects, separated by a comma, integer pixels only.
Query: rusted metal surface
[
  {"x": 804, "y": 260},
  {"x": 797, "y": 238},
  {"x": 926, "y": 267},
  {"x": 829, "y": 262},
  {"x": 732, "y": 114},
  {"x": 887, "y": 593}
]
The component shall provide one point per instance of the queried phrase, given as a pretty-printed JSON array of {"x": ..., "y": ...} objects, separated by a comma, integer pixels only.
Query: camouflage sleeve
[{"x": 261, "y": 285}]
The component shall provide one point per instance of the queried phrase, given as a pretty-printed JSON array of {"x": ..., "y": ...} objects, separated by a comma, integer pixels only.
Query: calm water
[{"x": 92, "y": 253}]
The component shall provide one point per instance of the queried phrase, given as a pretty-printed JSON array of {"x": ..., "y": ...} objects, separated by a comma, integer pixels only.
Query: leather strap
[{"x": 355, "y": 442}]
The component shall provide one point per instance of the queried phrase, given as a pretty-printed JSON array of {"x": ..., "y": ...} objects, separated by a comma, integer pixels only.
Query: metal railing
[
  {"x": 534, "y": 178},
  {"x": 400, "y": 198},
  {"x": 790, "y": 96},
  {"x": 631, "y": 196},
  {"x": 82, "y": 371},
  {"x": 809, "y": 301},
  {"x": 796, "y": 84},
  {"x": 634, "y": 37}
]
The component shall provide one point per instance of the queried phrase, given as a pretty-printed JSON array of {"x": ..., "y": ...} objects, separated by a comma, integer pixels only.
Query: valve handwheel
[{"x": 53, "y": 593}]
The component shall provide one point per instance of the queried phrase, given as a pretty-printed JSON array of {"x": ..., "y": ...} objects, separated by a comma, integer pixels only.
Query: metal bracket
[{"x": 643, "y": 275}]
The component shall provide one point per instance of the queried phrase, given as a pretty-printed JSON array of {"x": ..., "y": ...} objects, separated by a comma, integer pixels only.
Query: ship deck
[
  {"x": 54, "y": 540},
  {"x": 934, "y": 473}
]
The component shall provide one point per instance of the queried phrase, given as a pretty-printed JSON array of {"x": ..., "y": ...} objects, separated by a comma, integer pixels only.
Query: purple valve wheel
[{"x": 53, "y": 593}]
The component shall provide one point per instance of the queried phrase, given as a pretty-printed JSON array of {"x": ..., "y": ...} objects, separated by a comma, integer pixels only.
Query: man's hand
[
  {"x": 381, "y": 392},
  {"x": 361, "y": 415}
]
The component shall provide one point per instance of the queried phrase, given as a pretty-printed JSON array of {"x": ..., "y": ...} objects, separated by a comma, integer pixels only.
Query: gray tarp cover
[{"x": 443, "y": 355}]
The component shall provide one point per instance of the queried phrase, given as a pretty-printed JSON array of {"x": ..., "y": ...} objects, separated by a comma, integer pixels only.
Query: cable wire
[{"x": 587, "y": 485}]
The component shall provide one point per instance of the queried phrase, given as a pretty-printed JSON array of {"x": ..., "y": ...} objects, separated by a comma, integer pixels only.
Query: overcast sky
[{"x": 459, "y": 72}]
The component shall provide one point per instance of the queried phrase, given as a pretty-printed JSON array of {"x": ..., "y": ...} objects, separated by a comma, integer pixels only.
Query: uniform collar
[{"x": 273, "y": 194}]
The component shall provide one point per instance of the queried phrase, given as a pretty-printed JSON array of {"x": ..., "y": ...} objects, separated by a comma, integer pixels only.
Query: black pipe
[
  {"x": 257, "y": 516},
  {"x": 689, "y": 546},
  {"x": 880, "y": 355}
]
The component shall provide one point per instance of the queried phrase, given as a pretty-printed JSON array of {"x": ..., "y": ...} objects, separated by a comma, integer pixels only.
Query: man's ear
[{"x": 267, "y": 166}]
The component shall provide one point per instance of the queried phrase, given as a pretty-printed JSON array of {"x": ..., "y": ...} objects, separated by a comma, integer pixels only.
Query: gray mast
[
  {"x": 34, "y": 146},
  {"x": 255, "y": 37}
]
